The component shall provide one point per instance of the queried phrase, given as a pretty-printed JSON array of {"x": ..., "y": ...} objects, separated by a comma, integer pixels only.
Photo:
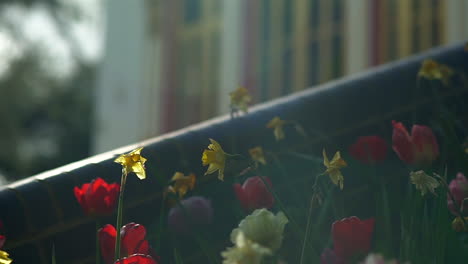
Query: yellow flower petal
[
  {"x": 183, "y": 183},
  {"x": 424, "y": 182},
  {"x": 257, "y": 155},
  {"x": 333, "y": 168},
  {"x": 337, "y": 178},
  {"x": 133, "y": 162},
  {"x": 326, "y": 162},
  {"x": 215, "y": 157},
  {"x": 4, "y": 259},
  {"x": 458, "y": 225},
  {"x": 240, "y": 99},
  {"x": 221, "y": 174},
  {"x": 277, "y": 125},
  {"x": 432, "y": 70},
  {"x": 337, "y": 161}
]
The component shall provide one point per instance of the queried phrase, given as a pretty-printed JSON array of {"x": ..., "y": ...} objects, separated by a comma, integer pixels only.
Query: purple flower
[{"x": 195, "y": 211}]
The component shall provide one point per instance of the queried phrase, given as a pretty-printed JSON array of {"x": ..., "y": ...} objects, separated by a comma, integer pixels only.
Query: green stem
[
  {"x": 234, "y": 155},
  {"x": 309, "y": 217},
  {"x": 54, "y": 260},
  {"x": 304, "y": 156},
  {"x": 160, "y": 224},
  {"x": 98, "y": 251},
  {"x": 119, "y": 216},
  {"x": 296, "y": 226}
]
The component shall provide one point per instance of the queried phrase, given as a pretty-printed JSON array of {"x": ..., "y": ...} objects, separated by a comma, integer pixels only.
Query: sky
[{"x": 78, "y": 36}]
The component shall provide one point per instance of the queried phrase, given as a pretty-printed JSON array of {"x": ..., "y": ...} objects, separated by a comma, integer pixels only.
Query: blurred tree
[{"x": 46, "y": 81}]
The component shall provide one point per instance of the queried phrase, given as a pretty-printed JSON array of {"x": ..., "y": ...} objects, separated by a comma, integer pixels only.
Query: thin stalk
[
  {"x": 309, "y": 216},
  {"x": 178, "y": 258},
  {"x": 98, "y": 251},
  {"x": 304, "y": 156},
  {"x": 119, "y": 216},
  {"x": 54, "y": 260},
  {"x": 160, "y": 224},
  {"x": 296, "y": 226}
]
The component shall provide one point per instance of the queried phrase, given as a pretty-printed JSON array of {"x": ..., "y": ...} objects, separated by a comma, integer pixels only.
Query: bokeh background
[{"x": 80, "y": 77}]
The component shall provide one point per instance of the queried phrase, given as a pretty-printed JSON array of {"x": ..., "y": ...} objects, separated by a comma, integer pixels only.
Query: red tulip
[
  {"x": 253, "y": 194},
  {"x": 459, "y": 189},
  {"x": 97, "y": 197},
  {"x": 352, "y": 237},
  {"x": 369, "y": 149},
  {"x": 132, "y": 241},
  {"x": 137, "y": 259},
  {"x": 418, "y": 148}
]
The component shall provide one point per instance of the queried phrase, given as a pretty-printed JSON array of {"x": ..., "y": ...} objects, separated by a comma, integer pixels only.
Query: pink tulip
[
  {"x": 459, "y": 189},
  {"x": 419, "y": 148}
]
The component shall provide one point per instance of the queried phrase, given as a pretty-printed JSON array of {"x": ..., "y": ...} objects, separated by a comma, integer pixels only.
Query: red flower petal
[
  {"x": 352, "y": 237},
  {"x": 137, "y": 259},
  {"x": 107, "y": 236},
  {"x": 97, "y": 197},
  {"x": 2, "y": 241},
  {"x": 133, "y": 235},
  {"x": 419, "y": 148},
  {"x": 369, "y": 149},
  {"x": 253, "y": 194},
  {"x": 425, "y": 143},
  {"x": 241, "y": 195},
  {"x": 258, "y": 193},
  {"x": 112, "y": 195},
  {"x": 79, "y": 194},
  {"x": 402, "y": 143}
]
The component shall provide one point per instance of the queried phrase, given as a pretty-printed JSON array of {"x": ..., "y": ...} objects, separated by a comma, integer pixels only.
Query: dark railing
[{"x": 41, "y": 211}]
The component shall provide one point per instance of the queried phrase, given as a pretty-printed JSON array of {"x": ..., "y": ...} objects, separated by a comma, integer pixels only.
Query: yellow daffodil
[
  {"x": 458, "y": 225},
  {"x": 432, "y": 70},
  {"x": 257, "y": 155},
  {"x": 215, "y": 157},
  {"x": 244, "y": 252},
  {"x": 4, "y": 259},
  {"x": 277, "y": 125},
  {"x": 133, "y": 162},
  {"x": 423, "y": 182},
  {"x": 333, "y": 168},
  {"x": 183, "y": 183},
  {"x": 240, "y": 99},
  {"x": 262, "y": 227}
]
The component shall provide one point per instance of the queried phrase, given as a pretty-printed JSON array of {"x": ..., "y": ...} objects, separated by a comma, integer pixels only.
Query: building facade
[{"x": 179, "y": 59}]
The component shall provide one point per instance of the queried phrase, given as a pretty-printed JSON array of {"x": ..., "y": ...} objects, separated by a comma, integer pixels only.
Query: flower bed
[{"x": 252, "y": 206}]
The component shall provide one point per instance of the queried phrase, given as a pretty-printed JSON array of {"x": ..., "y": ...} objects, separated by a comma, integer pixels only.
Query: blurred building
[{"x": 171, "y": 63}]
